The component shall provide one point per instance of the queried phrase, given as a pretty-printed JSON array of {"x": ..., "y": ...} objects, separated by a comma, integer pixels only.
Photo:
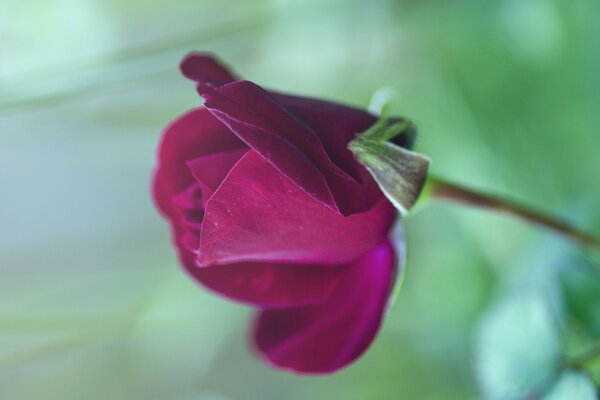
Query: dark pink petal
[
  {"x": 185, "y": 211},
  {"x": 259, "y": 121},
  {"x": 160, "y": 193},
  {"x": 265, "y": 285},
  {"x": 258, "y": 214},
  {"x": 204, "y": 68},
  {"x": 189, "y": 199},
  {"x": 325, "y": 337},
  {"x": 188, "y": 208},
  {"x": 292, "y": 146},
  {"x": 194, "y": 134},
  {"x": 185, "y": 240},
  {"x": 270, "y": 285},
  {"x": 185, "y": 217},
  {"x": 335, "y": 125},
  {"x": 263, "y": 106},
  {"x": 210, "y": 170}
]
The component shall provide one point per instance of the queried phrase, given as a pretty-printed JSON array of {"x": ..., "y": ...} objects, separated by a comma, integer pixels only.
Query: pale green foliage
[
  {"x": 573, "y": 385},
  {"x": 518, "y": 348},
  {"x": 581, "y": 290}
]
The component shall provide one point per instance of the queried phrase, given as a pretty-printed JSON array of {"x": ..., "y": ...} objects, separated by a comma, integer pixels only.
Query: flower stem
[{"x": 444, "y": 190}]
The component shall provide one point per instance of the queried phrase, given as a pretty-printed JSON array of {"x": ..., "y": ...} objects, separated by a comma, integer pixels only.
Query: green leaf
[
  {"x": 581, "y": 292},
  {"x": 517, "y": 346},
  {"x": 573, "y": 385},
  {"x": 400, "y": 173}
]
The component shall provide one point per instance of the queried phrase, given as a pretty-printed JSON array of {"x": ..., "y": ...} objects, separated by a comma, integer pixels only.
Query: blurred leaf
[
  {"x": 382, "y": 100},
  {"x": 517, "y": 346},
  {"x": 573, "y": 385},
  {"x": 581, "y": 291}
]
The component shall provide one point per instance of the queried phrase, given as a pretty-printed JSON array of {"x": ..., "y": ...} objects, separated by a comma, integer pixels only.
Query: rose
[{"x": 268, "y": 207}]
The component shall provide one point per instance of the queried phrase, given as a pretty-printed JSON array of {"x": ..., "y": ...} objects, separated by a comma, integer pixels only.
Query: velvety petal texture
[
  {"x": 269, "y": 208},
  {"x": 205, "y": 69},
  {"x": 327, "y": 336},
  {"x": 259, "y": 214},
  {"x": 270, "y": 285}
]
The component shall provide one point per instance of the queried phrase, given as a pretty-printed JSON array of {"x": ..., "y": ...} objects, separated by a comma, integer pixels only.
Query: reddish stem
[{"x": 445, "y": 190}]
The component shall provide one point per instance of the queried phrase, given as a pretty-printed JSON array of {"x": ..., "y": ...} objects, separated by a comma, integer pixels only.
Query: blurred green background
[{"x": 506, "y": 94}]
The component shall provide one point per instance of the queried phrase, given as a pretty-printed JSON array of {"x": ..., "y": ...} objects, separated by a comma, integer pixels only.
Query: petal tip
[{"x": 205, "y": 68}]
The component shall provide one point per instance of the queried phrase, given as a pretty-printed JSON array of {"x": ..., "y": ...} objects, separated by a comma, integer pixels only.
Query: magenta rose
[{"x": 268, "y": 207}]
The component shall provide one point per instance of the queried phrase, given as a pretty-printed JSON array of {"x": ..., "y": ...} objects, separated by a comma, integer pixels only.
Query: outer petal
[
  {"x": 326, "y": 337},
  {"x": 261, "y": 122},
  {"x": 204, "y": 68},
  {"x": 291, "y": 145},
  {"x": 336, "y": 125},
  {"x": 258, "y": 214},
  {"x": 211, "y": 170},
  {"x": 266, "y": 285},
  {"x": 192, "y": 135},
  {"x": 269, "y": 285}
]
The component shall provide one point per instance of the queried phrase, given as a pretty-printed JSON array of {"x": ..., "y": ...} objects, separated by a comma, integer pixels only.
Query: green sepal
[
  {"x": 389, "y": 128},
  {"x": 399, "y": 172}
]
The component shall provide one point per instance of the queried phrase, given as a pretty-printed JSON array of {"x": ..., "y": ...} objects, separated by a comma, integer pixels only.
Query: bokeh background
[{"x": 506, "y": 94}]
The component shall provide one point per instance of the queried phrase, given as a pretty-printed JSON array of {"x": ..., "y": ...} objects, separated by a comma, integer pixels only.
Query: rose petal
[
  {"x": 326, "y": 337},
  {"x": 262, "y": 125},
  {"x": 258, "y": 214},
  {"x": 266, "y": 285},
  {"x": 201, "y": 67},
  {"x": 194, "y": 134},
  {"x": 190, "y": 199},
  {"x": 336, "y": 125},
  {"x": 161, "y": 194},
  {"x": 210, "y": 170},
  {"x": 270, "y": 285},
  {"x": 291, "y": 145}
]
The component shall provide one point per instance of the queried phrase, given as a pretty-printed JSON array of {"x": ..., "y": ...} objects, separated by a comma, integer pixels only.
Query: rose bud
[{"x": 268, "y": 207}]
